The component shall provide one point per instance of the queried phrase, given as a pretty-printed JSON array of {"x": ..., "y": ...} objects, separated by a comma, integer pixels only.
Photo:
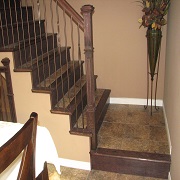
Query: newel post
[
  {"x": 87, "y": 12},
  {"x": 10, "y": 94}
]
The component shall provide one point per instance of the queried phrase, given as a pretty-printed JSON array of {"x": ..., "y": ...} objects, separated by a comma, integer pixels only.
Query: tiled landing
[
  {"x": 132, "y": 128},
  {"x": 126, "y": 127}
]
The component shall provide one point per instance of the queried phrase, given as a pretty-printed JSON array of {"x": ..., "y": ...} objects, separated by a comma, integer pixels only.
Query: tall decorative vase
[
  {"x": 153, "y": 56},
  {"x": 153, "y": 48}
]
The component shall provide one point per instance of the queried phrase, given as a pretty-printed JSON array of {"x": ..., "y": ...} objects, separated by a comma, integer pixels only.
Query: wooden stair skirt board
[
  {"x": 101, "y": 108},
  {"x": 131, "y": 162}
]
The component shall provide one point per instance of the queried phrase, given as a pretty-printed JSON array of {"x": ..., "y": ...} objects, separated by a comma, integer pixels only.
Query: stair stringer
[{"x": 68, "y": 146}]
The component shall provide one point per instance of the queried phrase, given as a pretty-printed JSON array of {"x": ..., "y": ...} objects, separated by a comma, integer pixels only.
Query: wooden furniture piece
[
  {"x": 24, "y": 139},
  {"x": 44, "y": 174},
  {"x": 7, "y": 105}
]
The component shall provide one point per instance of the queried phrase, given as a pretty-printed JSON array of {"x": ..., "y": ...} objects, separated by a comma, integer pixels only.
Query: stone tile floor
[
  {"x": 131, "y": 127},
  {"x": 126, "y": 127},
  {"x": 78, "y": 174}
]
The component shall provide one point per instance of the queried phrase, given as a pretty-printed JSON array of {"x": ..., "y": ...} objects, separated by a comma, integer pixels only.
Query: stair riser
[
  {"x": 10, "y": 3},
  {"x": 61, "y": 60},
  {"x": 30, "y": 52},
  {"x": 14, "y": 16},
  {"x": 79, "y": 108},
  {"x": 62, "y": 77},
  {"x": 58, "y": 93},
  {"x": 149, "y": 165},
  {"x": 41, "y": 73},
  {"x": 77, "y": 99},
  {"x": 17, "y": 33},
  {"x": 101, "y": 109},
  {"x": 39, "y": 77},
  {"x": 79, "y": 104}
]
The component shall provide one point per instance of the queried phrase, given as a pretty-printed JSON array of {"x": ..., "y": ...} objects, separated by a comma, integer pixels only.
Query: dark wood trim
[
  {"x": 24, "y": 140},
  {"x": 70, "y": 11},
  {"x": 81, "y": 132},
  {"x": 130, "y": 162},
  {"x": 87, "y": 12},
  {"x": 44, "y": 173},
  {"x": 101, "y": 109},
  {"x": 6, "y": 63}
]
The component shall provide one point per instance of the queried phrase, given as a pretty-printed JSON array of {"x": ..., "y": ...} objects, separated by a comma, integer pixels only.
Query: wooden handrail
[{"x": 70, "y": 11}]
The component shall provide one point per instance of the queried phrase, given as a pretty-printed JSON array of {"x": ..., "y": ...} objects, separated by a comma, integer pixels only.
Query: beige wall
[
  {"x": 172, "y": 85},
  {"x": 120, "y": 47}
]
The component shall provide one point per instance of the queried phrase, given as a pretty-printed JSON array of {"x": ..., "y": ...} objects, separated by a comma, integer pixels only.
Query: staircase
[
  {"x": 51, "y": 67},
  {"x": 69, "y": 81}
]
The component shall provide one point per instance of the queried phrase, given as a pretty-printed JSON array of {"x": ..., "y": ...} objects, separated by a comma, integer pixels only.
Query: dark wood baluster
[{"x": 87, "y": 12}]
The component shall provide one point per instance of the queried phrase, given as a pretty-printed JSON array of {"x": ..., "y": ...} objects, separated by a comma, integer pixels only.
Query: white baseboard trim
[
  {"x": 135, "y": 101},
  {"x": 167, "y": 129},
  {"x": 169, "y": 176},
  {"x": 75, "y": 164}
]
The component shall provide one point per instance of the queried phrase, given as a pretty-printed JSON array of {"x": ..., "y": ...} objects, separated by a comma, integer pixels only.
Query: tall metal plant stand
[{"x": 153, "y": 58}]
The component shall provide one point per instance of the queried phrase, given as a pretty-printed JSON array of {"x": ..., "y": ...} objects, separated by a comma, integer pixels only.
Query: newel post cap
[
  {"x": 87, "y": 9},
  {"x": 6, "y": 61}
]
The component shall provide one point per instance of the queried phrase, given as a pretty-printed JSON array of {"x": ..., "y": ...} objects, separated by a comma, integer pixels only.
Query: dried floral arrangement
[{"x": 154, "y": 12}]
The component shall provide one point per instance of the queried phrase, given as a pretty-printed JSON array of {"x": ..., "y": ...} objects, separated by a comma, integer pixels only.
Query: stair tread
[
  {"x": 81, "y": 131},
  {"x": 20, "y": 45},
  {"x": 69, "y": 96},
  {"x": 73, "y": 101},
  {"x": 32, "y": 63},
  {"x": 62, "y": 106},
  {"x": 53, "y": 77},
  {"x": 133, "y": 129}
]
